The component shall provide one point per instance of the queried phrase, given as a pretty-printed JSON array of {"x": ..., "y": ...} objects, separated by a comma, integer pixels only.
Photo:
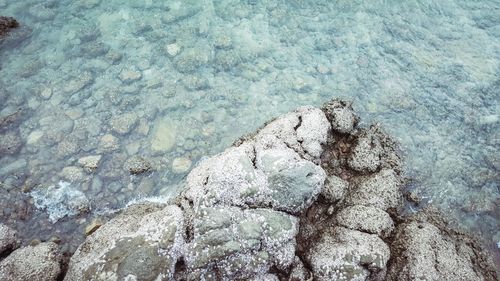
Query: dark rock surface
[{"x": 6, "y": 24}]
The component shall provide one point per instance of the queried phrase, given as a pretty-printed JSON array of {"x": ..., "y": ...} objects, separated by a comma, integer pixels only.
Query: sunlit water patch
[{"x": 120, "y": 99}]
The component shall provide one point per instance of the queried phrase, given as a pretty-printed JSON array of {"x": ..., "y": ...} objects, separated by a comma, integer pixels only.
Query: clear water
[{"x": 184, "y": 79}]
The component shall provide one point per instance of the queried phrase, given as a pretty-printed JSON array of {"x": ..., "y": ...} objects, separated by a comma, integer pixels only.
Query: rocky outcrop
[
  {"x": 40, "y": 262},
  {"x": 309, "y": 195},
  {"x": 6, "y": 24}
]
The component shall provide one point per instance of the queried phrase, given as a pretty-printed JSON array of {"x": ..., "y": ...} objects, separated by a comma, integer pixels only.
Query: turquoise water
[{"x": 175, "y": 81}]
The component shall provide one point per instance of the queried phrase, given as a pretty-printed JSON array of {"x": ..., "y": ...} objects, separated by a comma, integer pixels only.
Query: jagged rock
[
  {"x": 425, "y": 247},
  {"x": 334, "y": 189},
  {"x": 381, "y": 190},
  {"x": 345, "y": 254},
  {"x": 341, "y": 116},
  {"x": 366, "y": 219},
  {"x": 239, "y": 244},
  {"x": 40, "y": 262},
  {"x": 252, "y": 213},
  {"x": 8, "y": 239},
  {"x": 152, "y": 234},
  {"x": 6, "y": 24}
]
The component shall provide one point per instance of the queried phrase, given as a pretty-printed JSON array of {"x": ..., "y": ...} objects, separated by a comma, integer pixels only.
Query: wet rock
[
  {"x": 149, "y": 233},
  {"x": 79, "y": 82},
  {"x": 108, "y": 142},
  {"x": 190, "y": 59},
  {"x": 366, "y": 219},
  {"x": 40, "y": 262},
  {"x": 129, "y": 75},
  {"x": 424, "y": 248},
  {"x": 163, "y": 136},
  {"x": 10, "y": 142},
  {"x": 181, "y": 165},
  {"x": 124, "y": 123},
  {"x": 93, "y": 226},
  {"x": 137, "y": 165},
  {"x": 90, "y": 163},
  {"x": 366, "y": 154},
  {"x": 381, "y": 190},
  {"x": 172, "y": 49},
  {"x": 6, "y": 24},
  {"x": 9, "y": 240},
  {"x": 346, "y": 254},
  {"x": 94, "y": 49},
  {"x": 334, "y": 189},
  {"x": 341, "y": 116},
  {"x": 72, "y": 174}
]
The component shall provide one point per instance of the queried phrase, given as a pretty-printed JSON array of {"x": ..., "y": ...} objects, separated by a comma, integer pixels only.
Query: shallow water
[{"x": 174, "y": 81}]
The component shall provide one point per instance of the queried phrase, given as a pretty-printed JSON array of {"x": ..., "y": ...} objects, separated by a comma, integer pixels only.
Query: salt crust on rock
[{"x": 254, "y": 212}]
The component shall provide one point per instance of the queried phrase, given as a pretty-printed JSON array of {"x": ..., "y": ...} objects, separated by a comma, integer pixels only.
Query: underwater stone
[
  {"x": 6, "y": 24},
  {"x": 163, "y": 136},
  {"x": 10, "y": 142},
  {"x": 129, "y": 75},
  {"x": 108, "y": 142},
  {"x": 172, "y": 49},
  {"x": 77, "y": 83},
  {"x": 181, "y": 165},
  {"x": 191, "y": 59},
  {"x": 137, "y": 165},
  {"x": 90, "y": 163},
  {"x": 123, "y": 124}
]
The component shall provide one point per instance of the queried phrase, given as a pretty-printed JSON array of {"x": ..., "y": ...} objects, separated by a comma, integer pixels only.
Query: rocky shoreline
[{"x": 309, "y": 196}]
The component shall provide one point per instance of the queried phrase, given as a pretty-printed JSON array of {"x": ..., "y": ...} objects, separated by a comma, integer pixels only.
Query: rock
[
  {"x": 90, "y": 163},
  {"x": 128, "y": 76},
  {"x": 124, "y": 123},
  {"x": 424, "y": 249},
  {"x": 78, "y": 83},
  {"x": 181, "y": 165},
  {"x": 108, "y": 142},
  {"x": 10, "y": 142},
  {"x": 8, "y": 239},
  {"x": 252, "y": 212},
  {"x": 366, "y": 154},
  {"x": 366, "y": 219},
  {"x": 341, "y": 116},
  {"x": 152, "y": 234},
  {"x": 239, "y": 243},
  {"x": 172, "y": 49},
  {"x": 137, "y": 165},
  {"x": 40, "y": 262},
  {"x": 163, "y": 136},
  {"x": 381, "y": 190},
  {"x": 346, "y": 254},
  {"x": 93, "y": 226},
  {"x": 334, "y": 189},
  {"x": 190, "y": 59},
  {"x": 6, "y": 24},
  {"x": 72, "y": 174}
]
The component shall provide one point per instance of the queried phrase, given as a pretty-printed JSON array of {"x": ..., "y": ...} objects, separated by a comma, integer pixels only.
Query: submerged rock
[
  {"x": 6, "y": 24},
  {"x": 8, "y": 239},
  {"x": 309, "y": 195}
]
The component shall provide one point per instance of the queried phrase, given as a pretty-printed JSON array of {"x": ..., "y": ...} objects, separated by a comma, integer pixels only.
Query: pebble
[
  {"x": 181, "y": 165},
  {"x": 79, "y": 82},
  {"x": 172, "y": 49},
  {"x": 46, "y": 93},
  {"x": 108, "y": 142},
  {"x": 72, "y": 174},
  {"x": 124, "y": 123},
  {"x": 137, "y": 165},
  {"x": 90, "y": 163},
  {"x": 129, "y": 76},
  {"x": 163, "y": 138},
  {"x": 34, "y": 137}
]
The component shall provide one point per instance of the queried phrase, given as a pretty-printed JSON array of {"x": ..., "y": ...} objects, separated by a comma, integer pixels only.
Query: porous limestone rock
[
  {"x": 40, "y": 262},
  {"x": 366, "y": 219}
]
